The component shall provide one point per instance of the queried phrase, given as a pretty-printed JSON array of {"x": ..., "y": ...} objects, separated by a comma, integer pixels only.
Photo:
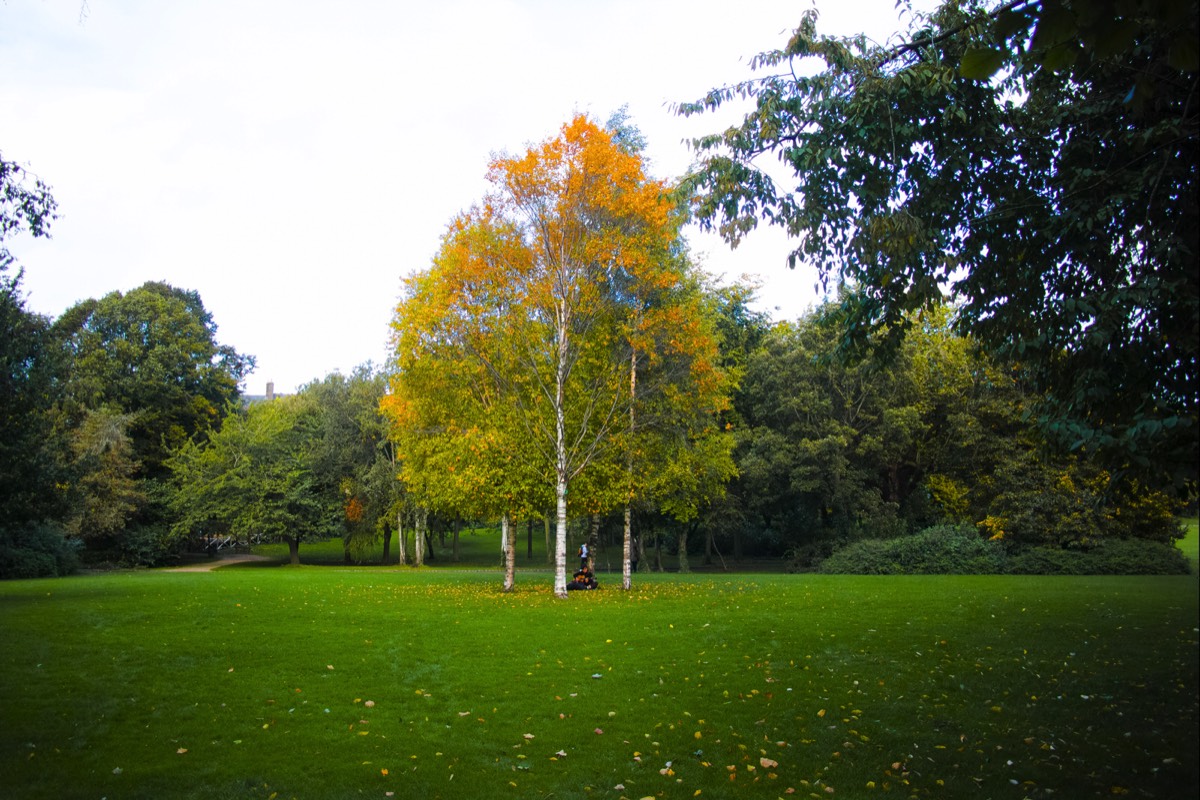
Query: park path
[{"x": 209, "y": 566}]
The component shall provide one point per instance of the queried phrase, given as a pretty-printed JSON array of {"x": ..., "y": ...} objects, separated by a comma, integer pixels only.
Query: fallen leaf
[
  {"x": 528, "y": 735},
  {"x": 369, "y": 704},
  {"x": 181, "y": 750},
  {"x": 766, "y": 762},
  {"x": 599, "y": 731}
]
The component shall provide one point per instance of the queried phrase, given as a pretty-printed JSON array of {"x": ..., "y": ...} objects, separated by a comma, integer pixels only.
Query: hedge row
[
  {"x": 36, "y": 551},
  {"x": 950, "y": 550}
]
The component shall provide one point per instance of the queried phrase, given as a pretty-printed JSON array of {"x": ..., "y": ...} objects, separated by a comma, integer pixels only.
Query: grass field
[{"x": 326, "y": 682}]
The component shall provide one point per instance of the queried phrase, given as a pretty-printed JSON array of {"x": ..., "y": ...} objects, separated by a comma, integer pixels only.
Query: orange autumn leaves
[{"x": 513, "y": 350}]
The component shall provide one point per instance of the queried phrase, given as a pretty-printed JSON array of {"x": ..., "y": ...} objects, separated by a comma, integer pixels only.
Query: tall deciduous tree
[
  {"x": 29, "y": 366},
  {"x": 256, "y": 478},
  {"x": 533, "y": 307},
  {"x": 1038, "y": 158},
  {"x": 152, "y": 352}
]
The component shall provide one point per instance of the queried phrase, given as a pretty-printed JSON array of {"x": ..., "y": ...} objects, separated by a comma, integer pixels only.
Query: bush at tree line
[{"x": 961, "y": 550}]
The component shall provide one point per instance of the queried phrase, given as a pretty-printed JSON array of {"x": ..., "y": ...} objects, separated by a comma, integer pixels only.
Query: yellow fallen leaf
[{"x": 821, "y": 713}]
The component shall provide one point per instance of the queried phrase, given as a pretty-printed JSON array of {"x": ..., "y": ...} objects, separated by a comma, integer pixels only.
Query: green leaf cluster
[{"x": 1034, "y": 161}]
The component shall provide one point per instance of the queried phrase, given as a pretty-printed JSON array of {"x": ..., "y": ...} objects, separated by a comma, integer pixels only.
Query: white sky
[{"x": 292, "y": 160}]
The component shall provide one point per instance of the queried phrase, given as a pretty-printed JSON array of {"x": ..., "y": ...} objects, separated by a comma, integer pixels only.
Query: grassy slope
[{"x": 254, "y": 682}]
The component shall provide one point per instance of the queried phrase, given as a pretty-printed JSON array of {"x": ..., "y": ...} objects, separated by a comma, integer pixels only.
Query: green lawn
[
  {"x": 1190, "y": 544},
  {"x": 314, "y": 682}
]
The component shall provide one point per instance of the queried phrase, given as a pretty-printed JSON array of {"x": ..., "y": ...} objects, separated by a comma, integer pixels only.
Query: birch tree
[{"x": 530, "y": 306}]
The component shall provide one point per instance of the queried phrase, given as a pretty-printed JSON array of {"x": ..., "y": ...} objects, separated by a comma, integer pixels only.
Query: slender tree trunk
[
  {"x": 457, "y": 528},
  {"x": 419, "y": 539},
  {"x": 387, "y": 545},
  {"x": 549, "y": 547},
  {"x": 708, "y": 545},
  {"x": 626, "y": 579},
  {"x": 346, "y": 548},
  {"x": 529, "y": 543},
  {"x": 503, "y": 538},
  {"x": 560, "y": 457},
  {"x": 658, "y": 552},
  {"x": 401, "y": 555},
  {"x": 684, "y": 566},
  {"x": 293, "y": 549},
  {"x": 510, "y": 554},
  {"x": 593, "y": 541},
  {"x": 627, "y": 550}
]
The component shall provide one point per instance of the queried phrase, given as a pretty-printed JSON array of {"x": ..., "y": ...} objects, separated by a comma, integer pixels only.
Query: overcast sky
[{"x": 293, "y": 160}]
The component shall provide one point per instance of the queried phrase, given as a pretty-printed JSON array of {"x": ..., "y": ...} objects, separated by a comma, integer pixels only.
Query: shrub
[
  {"x": 147, "y": 546},
  {"x": 940, "y": 550},
  {"x": 949, "y": 550},
  {"x": 1107, "y": 557},
  {"x": 36, "y": 551}
]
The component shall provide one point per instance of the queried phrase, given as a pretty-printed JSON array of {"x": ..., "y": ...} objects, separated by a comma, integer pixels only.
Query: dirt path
[{"x": 209, "y": 566}]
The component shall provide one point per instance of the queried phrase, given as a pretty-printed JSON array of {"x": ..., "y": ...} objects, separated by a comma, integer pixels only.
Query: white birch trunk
[
  {"x": 510, "y": 554},
  {"x": 626, "y": 572},
  {"x": 419, "y": 539},
  {"x": 560, "y": 455},
  {"x": 626, "y": 550}
]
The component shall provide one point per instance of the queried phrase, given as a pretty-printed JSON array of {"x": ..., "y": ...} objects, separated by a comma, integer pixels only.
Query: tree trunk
[
  {"x": 510, "y": 554},
  {"x": 529, "y": 543},
  {"x": 684, "y": 566},
  {"x": 658, "y": 567},
  {"x": 708, "y": 546},
  {"x": 627, "y": 550},
  {"x": 457, "y": 528},
  {"x": 293, "y": 549},
  {"x": 387, "y": 545},
  {"x": 503, "y": 539},
  {"x": 593, "y": 541},
  {"x": 401, "y": 544},
  {"x": 626, "y": 572},
  {"x": 419, "y": 539},
  {"x": 346, "y": 549},
  {"x": 549, "y": 548},
  {"x": 560, "y": 458}
]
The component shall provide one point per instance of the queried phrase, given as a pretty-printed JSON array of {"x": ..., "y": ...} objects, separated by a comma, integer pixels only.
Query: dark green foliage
[
  {"x": 1108, "y": 557},
  {"x": 25, "y": 205},
  {"x": 30, "y": 465},
  {"x": 36, "y": 551},
  {"x": 151, "y": 352},
  {"x": 941, "y": 550},
  {"x": 1058, "y": 199},
  {"x": 961, "y": 550},
  {"x": 257, "y": 477},
  {"x": 29, "y": 370}
]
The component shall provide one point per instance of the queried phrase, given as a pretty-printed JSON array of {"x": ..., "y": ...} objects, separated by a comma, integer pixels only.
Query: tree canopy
[
  {"x": 516, "y": 351},
  {"x": 1035, "y": 160}
]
